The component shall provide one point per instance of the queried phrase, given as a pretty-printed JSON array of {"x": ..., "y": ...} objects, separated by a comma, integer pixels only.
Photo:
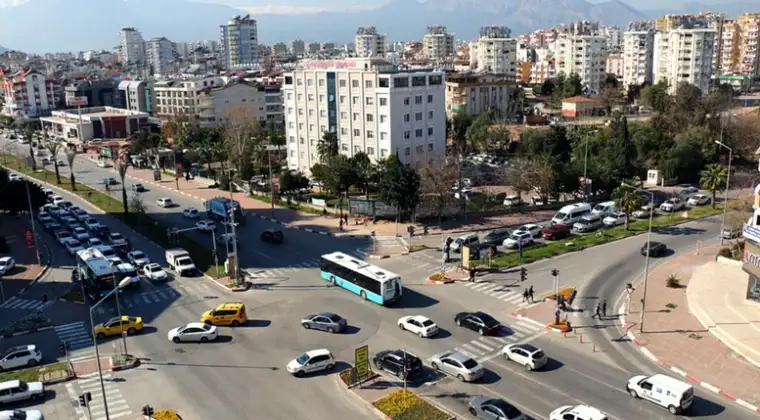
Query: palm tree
[
  {"x": 122, "y": 168},
  {"x": 713, "y": 178},
  {"x": 54, "y": 147},
  {"x": 364, "y": 170},
  {"x": 71, "y": 154},
  {"x": 327, "y": 146},
  {"x": 627, "y": 200}
]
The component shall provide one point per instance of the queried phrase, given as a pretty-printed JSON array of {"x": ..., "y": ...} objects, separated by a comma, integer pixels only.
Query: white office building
[
  {"x": 437, "y": 43},
  {"x": 494, "y": 51},
  {"x": 131, "y": 46},
  {"x": 685, "y": 55},
  {"x": 638, "y": 57},
  {"x": 585, "y": 55},
  {"x": 372, "y": 105},
  {"x": 239, "y": 43},
  {"x": 369, "y": 43},
  {"x": 159, "y": 52}
]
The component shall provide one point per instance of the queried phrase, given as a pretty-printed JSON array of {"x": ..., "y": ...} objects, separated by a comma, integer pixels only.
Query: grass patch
[
  {"x": 144, "y": 224},
  {"x": 32, "y": 374},
  {"x": 345, "y": 376},
  {"x": 577, "y": 243},
  {"x": 406, "y": 405},
  {"x": 73, "y": 295},
  {"x": 671, "y": 306},
  {"x": 292, "y": 205}
]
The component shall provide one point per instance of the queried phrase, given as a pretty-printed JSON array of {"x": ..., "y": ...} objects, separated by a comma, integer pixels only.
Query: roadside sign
[
  {"x": 276, "y": 187},
  {"x": 466, "y": 256},
  {"x": 361, "y": 361},
  {"x": 29, "y": 236},
  {"x": 78, "y": 101}
]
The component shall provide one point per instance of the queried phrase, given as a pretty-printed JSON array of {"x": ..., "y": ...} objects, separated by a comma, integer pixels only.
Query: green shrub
[
  {"x": 673, "y": 282},
  {"x": 725, "y": 253}
]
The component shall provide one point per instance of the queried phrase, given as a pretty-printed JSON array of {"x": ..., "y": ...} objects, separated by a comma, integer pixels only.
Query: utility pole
[
  {"x": 271, "y": 180},
  {"x": 31, "y": 219}
]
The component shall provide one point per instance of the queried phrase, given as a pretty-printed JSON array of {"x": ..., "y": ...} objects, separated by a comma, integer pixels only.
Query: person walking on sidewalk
[
  {"x": 526, "y": 295},
  {"x": 604, "y": 308},
  {"x": 472, "y": 274},
  {"x": 598, "y": 312},
  {"x": 530, "y": 294}
]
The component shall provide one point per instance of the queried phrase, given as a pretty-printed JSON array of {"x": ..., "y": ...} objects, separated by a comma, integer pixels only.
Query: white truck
[{"x": 179, "y": 260}]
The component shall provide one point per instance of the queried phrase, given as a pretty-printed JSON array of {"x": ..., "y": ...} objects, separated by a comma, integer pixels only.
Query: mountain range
[{"x": 94, "y": 24}]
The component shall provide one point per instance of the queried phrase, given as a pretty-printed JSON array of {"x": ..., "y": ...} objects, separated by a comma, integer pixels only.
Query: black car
[
  {"x": 272, "y": 236},
  {"x": 496, "y": 236},
  {"x": 104, "y": 232},
  {"x": 401, "y": 364},
  {"x": 480, "y": 322},
  {"x": 657, "y": 249}
]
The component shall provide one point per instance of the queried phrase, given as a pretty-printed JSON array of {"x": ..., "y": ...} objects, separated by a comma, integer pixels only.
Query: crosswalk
[
  {"x": 117, "y": 404},
  {"x": 499, "y": 291},
  {"x": 178, "y": 290},
  {"x": 78, "y": 337},
  {"x": 484, "y": 346},
  {"x": 293, "y": 268},
  {"x": 27, "y": 304}
]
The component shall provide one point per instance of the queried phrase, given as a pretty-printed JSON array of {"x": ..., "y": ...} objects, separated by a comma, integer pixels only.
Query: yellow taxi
[
  {"x": 226, "y": 314},
  {"x": 115, "y": 326}
]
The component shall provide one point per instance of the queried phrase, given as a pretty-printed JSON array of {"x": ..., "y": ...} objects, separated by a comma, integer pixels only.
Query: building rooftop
[{"x": 578, "y": 99}]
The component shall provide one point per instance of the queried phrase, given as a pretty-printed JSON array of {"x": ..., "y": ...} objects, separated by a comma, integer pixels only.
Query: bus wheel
[
  {"x": 332, "y": 279},
  {"x": 363, "y": 295}
]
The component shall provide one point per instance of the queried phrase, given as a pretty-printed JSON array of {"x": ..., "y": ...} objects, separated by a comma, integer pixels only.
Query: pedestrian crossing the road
[
  {"x": 78, "y": 337},
  {"x": 28, "y": 304},
  {"x": 117, "y": 404},
  {"x": 499, "y": 291},
  {"x": 482, "y": 347}
]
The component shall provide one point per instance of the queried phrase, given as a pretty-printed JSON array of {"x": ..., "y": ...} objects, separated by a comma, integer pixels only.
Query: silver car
[
  {"x": 324, "y": 321},
  {"x": 456, "y": 364},
  {"x": 495, "y": 409}
]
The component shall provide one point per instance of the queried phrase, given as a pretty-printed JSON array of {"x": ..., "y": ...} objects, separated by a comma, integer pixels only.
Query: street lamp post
[
  {"x": 118, "y": 305},
  {"x": 585, "y": 171},
  {"x": 725, "y": 196},
  {"x": 31, "y": 219},
  {"x": 122, "y": 284},
  {"x": 649, "y": 250}
]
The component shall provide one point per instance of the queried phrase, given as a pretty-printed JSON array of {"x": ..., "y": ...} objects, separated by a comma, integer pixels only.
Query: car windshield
[
  {"x": 154, "y": 268},
  {"x": 487, "y": 319},
  {"x": 206, "y": 327},
  {"x": 427, "y": 323},
  {"x": 335, "y": 318},
  {"x": 116, "y": 236},
  {"x": 184, "y": 261},
  {"x": 23, "y": 386},
  {"x": 74, "y": 244},
  {"x": 79, "y": 230},
  {"x": 138, "y": 254},
  {"x": 470, "y": 364},
  {"x": 560, "y": 215},
  {"x": 107, "y": 252},
  {"x": 302, "y": 359},
  {"x": 509, "y": 411},
  {"x": 538, "y": 355}
]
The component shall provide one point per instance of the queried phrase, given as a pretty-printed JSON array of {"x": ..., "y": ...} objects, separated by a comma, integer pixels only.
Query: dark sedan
[
  {"x": 272, "y": 236},
  {"x": 657, "y": 249},
  {"x": 480, "y": 322},
  {"x": 495, "y": 237},
  {"x": 556, "y": 232},
  {"x": 399, "y": 363}
]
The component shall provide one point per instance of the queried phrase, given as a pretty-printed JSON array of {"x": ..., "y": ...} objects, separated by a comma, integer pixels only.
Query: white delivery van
[
  {"x": 570, "y": 214},
  {"x": 662, "y": 390},
  {"x": 179, "y": 260},
  {"x": 604, "y": 209}
]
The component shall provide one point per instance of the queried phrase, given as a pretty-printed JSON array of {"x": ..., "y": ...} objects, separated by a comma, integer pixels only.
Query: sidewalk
[
  {"x": 675, "y": 338},
  {"x": 199, "y": 189},
  {"x": 82, "y": 368}
]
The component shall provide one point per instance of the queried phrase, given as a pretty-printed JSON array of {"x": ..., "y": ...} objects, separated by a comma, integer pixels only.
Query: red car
[{"x": 556, "y": 232}]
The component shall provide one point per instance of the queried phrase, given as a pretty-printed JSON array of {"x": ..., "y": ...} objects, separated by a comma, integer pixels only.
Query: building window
[
  {"x": 309, "y": 82},
  {"x": 322, "y": 128},
  {"x": 312, "y": 142},
  {"x": 299, "y": 82},
  {"x": 342, "y": 99},
  {"x": 343, "y": 131},
  {"x": 357, "y": 132},
  {"x": 311, "y": 112},
  {"x": 321, "y": 82},
  {"x": 302, "y": 140},
  {"x": 343, "y": 115},
  {"x": 430, "y": 99},
  {"x": 291, "y": 125},
  {"x": 383, "y": 118},
  {"x": 370, "y": 151},
  {"x": 310, "y": 97},
  {"x": 407, "y": 151},
  {"x": 342, "y": 83},
  {"x": 322, "y": 113},
  {"x": 292, "y": 153},
  {"x": 418, "y": 133},
  {"x": 344, "y": 147},
  {"x": 357, "y": 148},
  {"x": 383, "y": 135},
  {"x": 369, "y": 101},
  {"x": 355, "y": 83},
  {"x": 430, "y": 147},
  {"x": 355, "y": 100},
  {"x": 311, "y": 127},
  {"x": 383, "y": 101},
  {"x": 300, "y": 126},
  {"x": 356, "y": 116},
  {"x": 290, "y": 96},
  {"x": 430, "y": 115},
  {"x": 370, "y": 134},
  {"x": 292, "y": 139},
  {"x": 383, "y": 83},
  {"x": 418, "y": 99},
  {"x": 430, "y": 131},
  {"x": 418, "y": 81},
  {"x": 321, "y": 98},
  {"x": 420, "y": 150},
  {"x": 406, "y": 118},
  {"x": 370, "y": 118},
  {"x": 407, "y": 134},
  {"x": 406, "y": 101},
  {"x": 418, "y": 116},
  {"x": 300, "y": 97},
  {"x": 290, "y": 111},
  {"x": 383, "y": 153},
  {"x": 368, "y": 84},
  {"x": 400, "y": 82}
]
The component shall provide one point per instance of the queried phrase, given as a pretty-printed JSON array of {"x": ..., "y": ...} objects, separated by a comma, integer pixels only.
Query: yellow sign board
[
  {"x": 361, "y": 361},
  {"x": 466, "y": 256}
]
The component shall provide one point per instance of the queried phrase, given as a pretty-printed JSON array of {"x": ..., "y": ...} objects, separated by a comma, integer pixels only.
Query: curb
[
  {"x": 33, "y": 330},
  {"x": 44, "y": 271},
  {"x": 366, "y": 403},
  {"x": 117, "y": 368},
  {"x": 378, "y": 257},
  {"x": 444, "y": 281},
  {"x": 714, "y": 389},
  {"x": 60, "y": 380}
]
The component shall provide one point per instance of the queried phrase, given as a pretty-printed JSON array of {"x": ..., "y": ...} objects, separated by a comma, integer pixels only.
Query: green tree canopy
[
  {"x": 15, "y": 198},
  {"x": 399, "y": 185},
  {"x": 713, "y": 178},
  {"x": 327, "y": 147}
]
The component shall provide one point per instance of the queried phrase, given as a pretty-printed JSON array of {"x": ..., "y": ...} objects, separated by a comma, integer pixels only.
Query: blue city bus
[{"x": 366, "y": 280}]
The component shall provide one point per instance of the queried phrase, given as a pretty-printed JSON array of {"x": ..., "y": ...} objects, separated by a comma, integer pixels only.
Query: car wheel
[
  {"x": 633, "y": 393},
  {"x": 673, "y": 409},
  {"x": 473, "y": 412},
  {"x": 204, "y": 339},
  {"x": 332, "y": 330},
  {"x": 299, "y": 374},
  {"x": 32, "y": 362},
  {"x": 421, "y": 335},
  {"x": 176, "y": 339},
  {"x": 506, "y": 356},
  {"x": 306, "y": 325},
  {"x": 101, "y": 335},
  {"x": 434, "y": 365},
  {"x": 363, "y": 295},
  {"x": 131, "y": 331},
  {"x": 459, "y": 322},
  {"x": 460, "y": 377},
  {"x": 329, "y": 367},
  {"x": 401, "y": 326},
  {"x": 481, "y": 331},
  {"x": 235, "y": 323},
  {"x": 332, "y": 279},
  {"x": 528, "y": 367}
]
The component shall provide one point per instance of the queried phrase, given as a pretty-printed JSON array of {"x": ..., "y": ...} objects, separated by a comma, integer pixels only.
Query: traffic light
[
  {"x": 410, "y": 229},
  {"x": 555, "y": 272},
  {"x": 523, "y": 274},
  {"x": 82, "y": 401},
  {"x": 147, "y": 410}
]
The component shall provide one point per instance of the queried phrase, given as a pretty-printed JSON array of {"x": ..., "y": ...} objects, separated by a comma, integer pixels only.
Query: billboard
[{"x": 78, "y": 101}]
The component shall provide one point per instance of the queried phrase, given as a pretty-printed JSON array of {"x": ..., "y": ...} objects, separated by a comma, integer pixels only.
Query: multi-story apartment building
[
  {"x": 313, "y": 47},
  {"x": 371, "y": 105},
  {"x": 614, "y": 36},
  {"x": 369, "y": 43},
  {"x": 615, "y": 64},
  {"x": 174, "y": 98},
  {"x": 474, "y": 93},
  {"x": 438, "y": 43},
  {"x": 542, "y": 70},
  {"x": 28, "y": 94},
  {"x": 297, "y": 47},
  {"x": 131, "y": 46},
  {"x": 638, "y": 53},
  {"x": 239, "y": 43},
  {"x": 159, "y": 52},
  {"x": 494, "y": 51},
  {"x": 728, "y": 44},
  {"x": 585, "y": 55},
  {"x": 739, "y": 46},
  {"x": 684, "y": 55},
  {"x": 103, "y": 92},
  {"x": 136, "y": 95},
  {"x": 707, "y": 20},
  {"x": 252, "y": 100},
  {"x": 279, "y": 48},
  {"x": 327, "y": 46}
]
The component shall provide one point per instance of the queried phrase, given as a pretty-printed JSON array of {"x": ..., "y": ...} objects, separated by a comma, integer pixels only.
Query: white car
[
  {"x": 458, "y": 365},
  {"x": 56, "y": 199},
  {"x": 80, "y": 233},
  {"x": 20, "y": 356},
  {"x": 14, "y": 177},
  {"x": 78, "y": 213},
  {"x": 419, "y": 325},
  {"x": 73, "y": 246},
  {"x": 6, "y": 265},
  {"x": 12, "y": 391},
  {"x": 191, "y": 213},
  {"x": 578, "y": 412},
  {"x": 138, "y": 258},
  {"x": 94, "y": 242},
  {"x": 533, "y": 229},
  {"x": 615, "y": 219},
  {"x": 528, "y": 355},
  {"x": 117, "y": 239},
  {"x": 206, "y": 225},
  {"x": 518, "y": 238},
  {"x": 194, "y": 331},
  {"x": 103, "y": 164},
  {"x": 154, "y": 272},
  {"x": 310, "y": 362},
  {"x": 671, "y": 205},
  {"x": 164, "y": 202},
  {"x": 643, "y": 212},
  {"x": 21, "y": 414},
  {"x": 587, "y": 223},
  {"x": 698, "y": 200}
]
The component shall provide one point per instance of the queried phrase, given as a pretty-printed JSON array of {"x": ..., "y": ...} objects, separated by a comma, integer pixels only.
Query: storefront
[{"x": 752, "y": 267}]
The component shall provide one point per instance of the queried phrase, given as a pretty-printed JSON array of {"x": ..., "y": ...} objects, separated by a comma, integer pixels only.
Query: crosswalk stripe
[
  {"x": 495, "y": 291},
  {"x": 470, "y": 284},
  {"x": 470, "y": 348},
  {"x": 466, "y": 353},
  {"x": 499, "y": 339},
  {"x": 481, "y": 286},
  {"x": 481, "y": 345},
  {"x": 489, "y": 288},
  {"x": 145, "y": 298},
  {"x": 491, "y": 340},
  {"x": 527, "y": 327},
  {"x": 513, "y": 299},
  {"x": 500, "y": 294}
]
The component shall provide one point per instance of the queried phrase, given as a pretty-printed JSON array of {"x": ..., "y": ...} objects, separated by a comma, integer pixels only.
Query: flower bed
[
  {"x": 563, "y": 326},
  {"x": 345, "y": 376},
  {"x": 566, "y": 293},
  {"x": 29, "y": 322},
  {"x": 406, "y": 405},
  {"x": 166, "y": 414}
]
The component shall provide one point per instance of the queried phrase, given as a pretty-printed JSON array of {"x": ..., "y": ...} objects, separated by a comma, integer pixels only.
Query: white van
[
  {"x": 465, "y": 240},
  {"x": 662, "y": 390},
  {"x": 571, "y": 213},
  {"x": 604, "y": 209}
]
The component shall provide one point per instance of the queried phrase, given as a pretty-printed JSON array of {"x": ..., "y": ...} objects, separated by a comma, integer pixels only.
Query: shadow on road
[
  {"x": 413, "y": 299},
  {"x": 704, "y": 408}
]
